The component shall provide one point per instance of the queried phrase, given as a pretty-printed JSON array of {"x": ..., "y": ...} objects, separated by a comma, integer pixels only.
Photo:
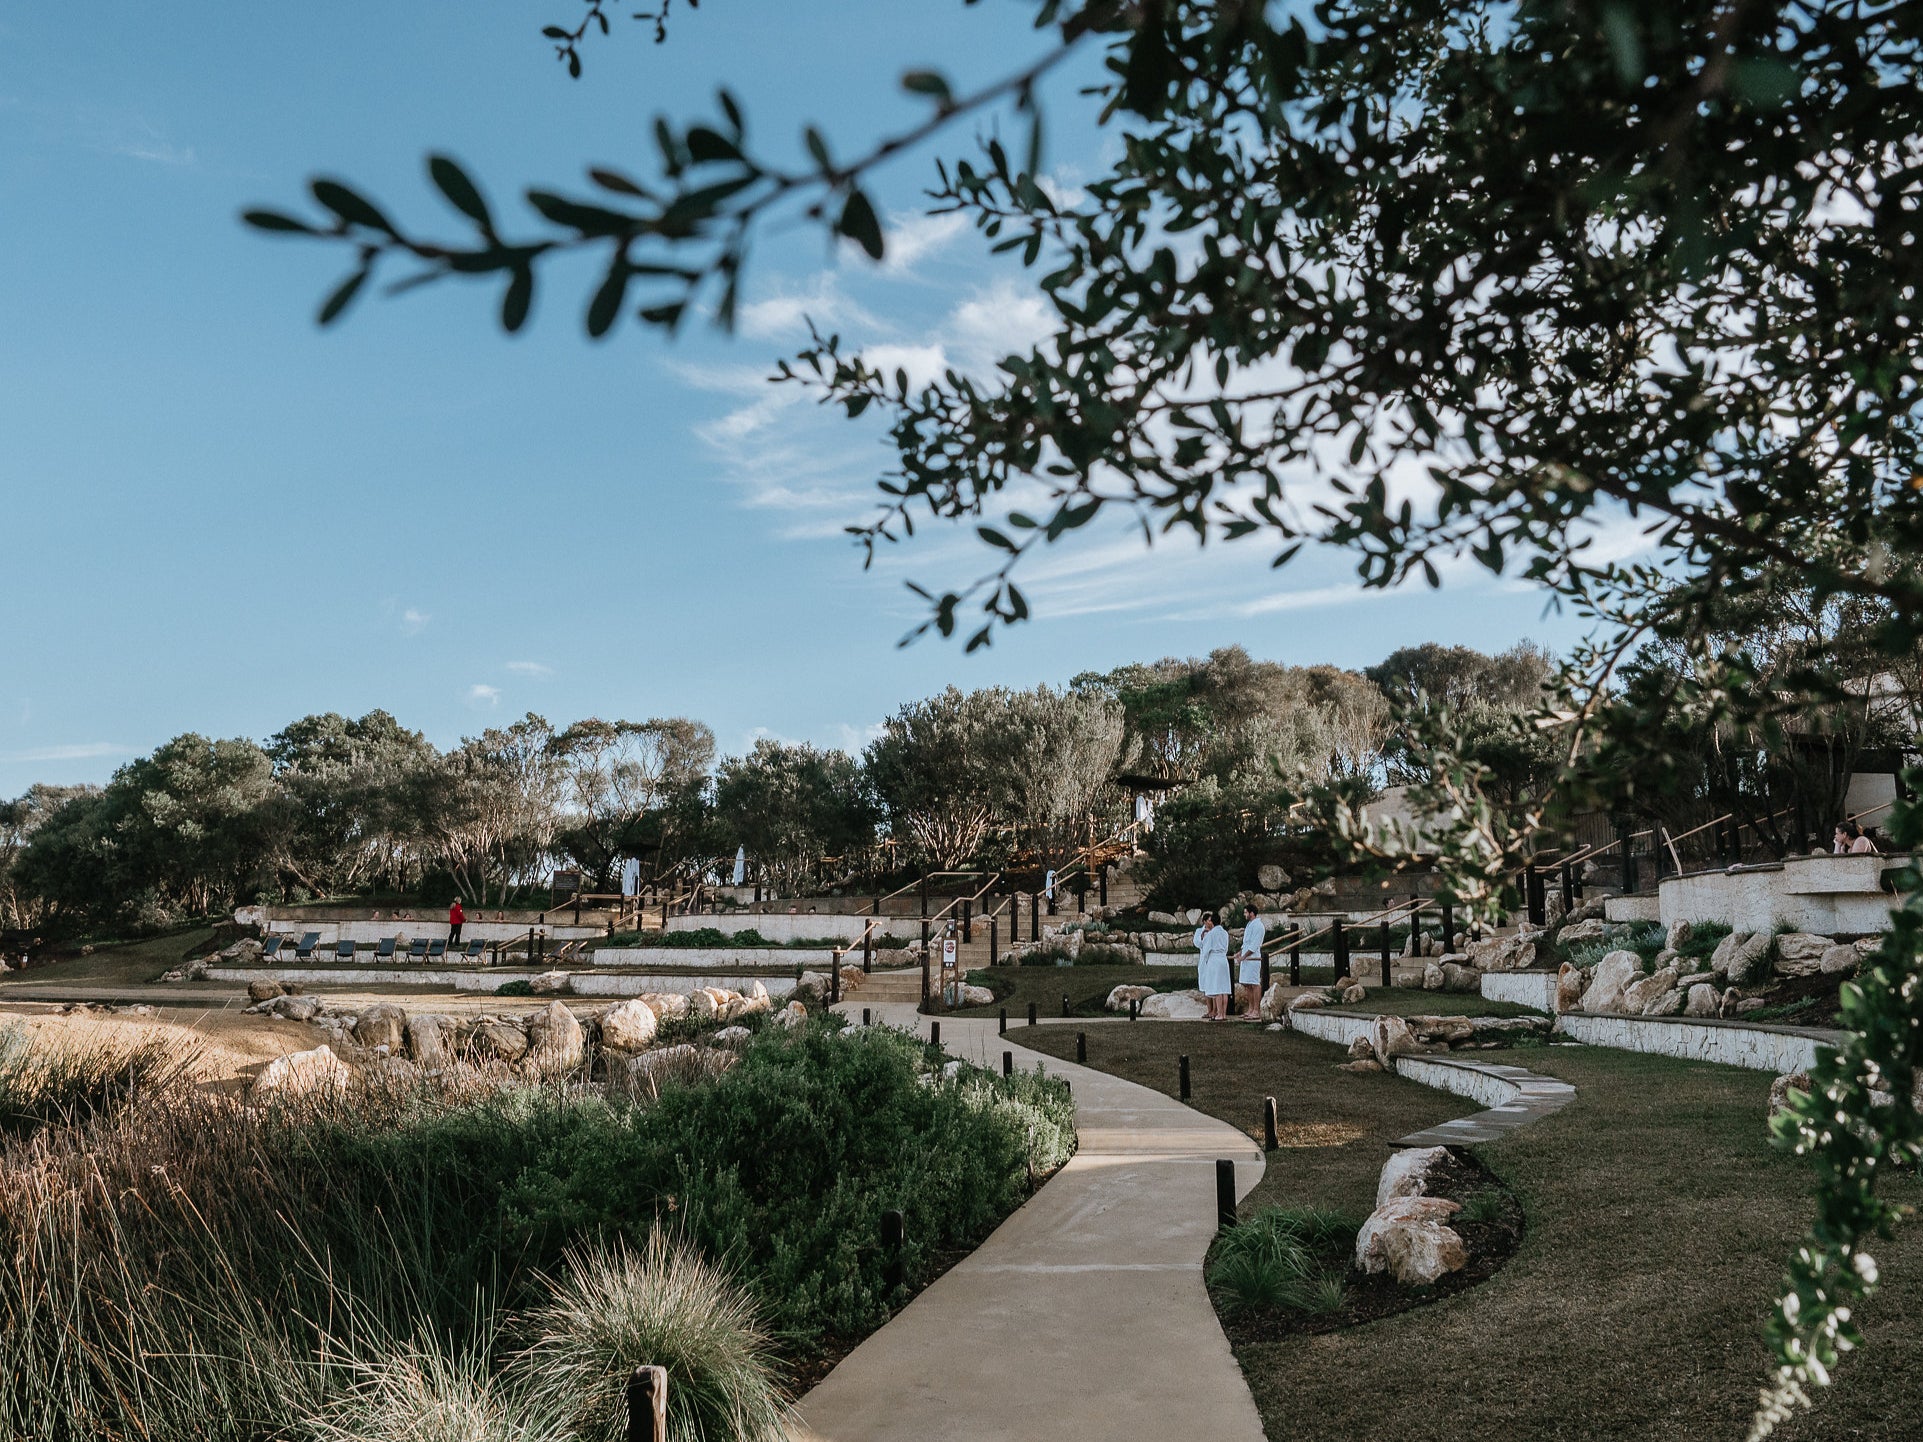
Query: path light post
[
  {"x": 1339, "y": 945},
  {"x": 834, "y": 979},
  {"x": 1008, "y": 1063},
  {"x": 1184, "y": 1073},
  {"x": 1001, "y": 1025},
  {"x": 648, "y": 1405},
  {"x": 1035, "y": 916},
  {"x": 867, "y": 1017},
  {"x": 1295, "y": 956},
  {"x": 994, "y": 943},
  {"x": 1014, "y": 914},
  {"x": 1224, "y": 1193},
  {"x": 1268, "y": 1124},
  {"x": 1385, "y": 947},
  {"x": 968, "y": 918},
  {"x": 1448, "y": 927},
  {"x": 1064, "y": 1005},
  {"x": 934, "y": 1033},
  {"x": 1031, "y": 1013},
  {"x": 1134, "y": 1007},
  {"x": 1081, "y": 1047}
]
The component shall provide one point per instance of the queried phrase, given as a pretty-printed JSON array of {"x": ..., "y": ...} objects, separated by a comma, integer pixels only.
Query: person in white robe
[
  {"x": 1249, "y": 963},
  {"x": 1212, "y": 969}
]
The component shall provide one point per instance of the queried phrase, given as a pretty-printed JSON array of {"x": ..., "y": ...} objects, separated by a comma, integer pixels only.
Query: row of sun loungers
[{"x": 421, "y": 948}]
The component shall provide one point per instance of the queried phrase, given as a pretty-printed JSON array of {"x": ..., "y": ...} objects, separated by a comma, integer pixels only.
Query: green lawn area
[
  {"x": 1659, "y": 1219},
  {"x": 124, "y": 963},
  {"x": 1086, "y": 987}
]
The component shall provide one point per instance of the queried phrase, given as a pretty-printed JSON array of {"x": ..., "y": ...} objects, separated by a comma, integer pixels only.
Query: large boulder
[
  {"x": 756, "y": 1000},
  {"x": 381, "y": 1025},
  {"x": 1575, "y": 931},
  {"x": 1677, "y": 936},
  {"x": 301, "y": 1072},
  {"x": 792, "y": 1015},
  {"x": 1640, "y": 995},
  {"x": 1703, "y": 1001},
  {"x": 1780, "y": 1089},
  {"x": 1354, "y": 994},
  {"x": 1442, "y": 1030},
  {"x": 1390, "y": 1037},
  {"x": 1432, "y": 978},
  {"x": 1460, "y": 978},
  {"x": 1800, "y": 953},
  {"x": 1839, "y": 961},
  {"x": 1407, "y": 1173},
  {"x": 1742, "y": 957},
  {"x": 497, "y": 1039},
  {"x": 976, "y": 996},
  {"x": 550, "y": 983},
  {"x": 1119, "y": 998},
  {"x": 1275, "y": 1001},
  {"x": 1272, "y": 877},
  {"x": 263, "y": 988},
  {"x": 1175, "y": 1006},
  {"x": 628, "y": 1027},
  {"x": 1408, "y": 1238},
  {"x": 1308, "y": 1001},
  {"x": 666, "y": 1005},
  {"x": 295, "y": 1008},
  {"x": 1506, "y": 953},
  {"x": 429, "y": 1038},
  {"x": 1606, "y": 983},
  {"x": 734, "y": 1038},
  {"x": 554, "y": 1040},
  {"x": 1570, "y": 982}
]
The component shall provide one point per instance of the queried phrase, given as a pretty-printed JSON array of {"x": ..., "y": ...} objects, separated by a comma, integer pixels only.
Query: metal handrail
[{"x": 1400, "y": 911}]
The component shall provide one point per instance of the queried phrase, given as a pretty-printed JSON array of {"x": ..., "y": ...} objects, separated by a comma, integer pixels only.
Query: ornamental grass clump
[
  {"x": 426, "y": 1393},
  {"x": 78, "y": 1074},
  {"x": 1280, "y": 1259},
  {"x": 616, "y": 1308}
]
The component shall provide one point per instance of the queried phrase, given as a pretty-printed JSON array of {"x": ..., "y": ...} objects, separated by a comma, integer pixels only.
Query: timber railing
[{"x": 1343, "y": 933}]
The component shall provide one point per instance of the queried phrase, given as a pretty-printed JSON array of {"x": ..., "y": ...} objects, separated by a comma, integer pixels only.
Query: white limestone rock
[
  {"x": 428, "y": 1039},
  {"x": 497, "y": 1039},
  {"x": 1839, "y": 961},
  {"x": 1407, "y": 1173},
  {"x": 1742, "y": 957},
  {"x": 1613, "y": 973},
  {"x": 302, "y": 1072},
  {"x": 550, "y": 983},
  {"x": 1588, "y": 930},
  {"x": 1390, "y": 1037},
  {"x": 1119, "y": 998},
  {"x": 555, "y": 1042},
  {"x": 792, "y": 1015},
  {"x": 381, "y": 1025},
  {"x": 1175, "y": 1006},
  {"x": 629, "y": 1027},
  {"x": 1703, "y": 1001},
  {"x": 1570, "y": 981},
  {"x": 976, "y": 996},
  {"x": 1780, "y": 1089},
  {"x": 733, "y": 1037},
  {"x": 1408, "y": 1238},
  {"x": 1275, "y": 1001},
  {"x": 1432, "y": 977}
]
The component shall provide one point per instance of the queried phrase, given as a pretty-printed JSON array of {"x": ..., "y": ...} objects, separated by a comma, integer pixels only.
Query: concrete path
[{"x": 1083, "y": 1316}]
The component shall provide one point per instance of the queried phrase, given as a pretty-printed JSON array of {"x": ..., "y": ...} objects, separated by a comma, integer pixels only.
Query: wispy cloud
[
  {"x": 914, "y": 236},
  {"x": 80, "y": 751},
  {"x": 414, "y": 622},
  {"x": 482, "y": 694},
  {"x": 530, "y": 668}
]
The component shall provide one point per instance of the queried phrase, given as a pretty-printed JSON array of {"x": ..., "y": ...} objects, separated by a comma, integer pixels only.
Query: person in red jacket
[{"x": 455, "y": 917}]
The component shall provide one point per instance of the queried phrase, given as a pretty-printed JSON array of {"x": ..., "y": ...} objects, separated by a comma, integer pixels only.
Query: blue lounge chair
[
  {"x": 270, "y": 948},
  {"x": 475, "y": 950},
  {"x": 385, "y": 950},
  {"x": 343, "y": 950},
  {"x": 305, "y": 951},
  {"x": 417, "y": 948},
  {"x": 437, "y": 948}
]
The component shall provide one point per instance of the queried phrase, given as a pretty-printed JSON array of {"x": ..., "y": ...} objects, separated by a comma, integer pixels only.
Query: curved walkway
[{"x": 1084, "y": 1315}]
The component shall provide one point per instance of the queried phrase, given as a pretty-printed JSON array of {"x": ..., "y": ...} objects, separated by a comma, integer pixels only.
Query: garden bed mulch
[{"x": 1370, "y": 1297}]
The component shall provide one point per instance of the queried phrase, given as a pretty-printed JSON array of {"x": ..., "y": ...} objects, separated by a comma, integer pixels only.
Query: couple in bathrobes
[{"x": 1212, "y": 968}]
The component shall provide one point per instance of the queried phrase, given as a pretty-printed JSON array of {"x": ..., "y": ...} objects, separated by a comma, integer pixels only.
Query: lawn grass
[
  {"x": 1659, "y": 1220},
  {"x": 117, "y": 963},
  {"x": 1086, "y": 987}
]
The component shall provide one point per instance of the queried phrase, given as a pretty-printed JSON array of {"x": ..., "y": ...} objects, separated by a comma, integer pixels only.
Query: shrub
[
  {"x": 70, "y": 1078},
  {"x": 423, "y": 1394},
  {"x": 616, "y": 1308},
  {"x": 1286, "y": 1259},
  {"x": 1055, "y": 953},
  {"x": 1482, "y": 1206},
  {"x": 520, "y": 986}
]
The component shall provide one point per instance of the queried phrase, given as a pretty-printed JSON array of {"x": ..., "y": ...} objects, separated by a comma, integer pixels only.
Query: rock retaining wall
[
  {"x": 1465, "y": 1081},
  {"x": 1758, "y": 1048},
  {"x": 1324, "y": 1027},
  {"x": 580, "y": 983},
  {"x": 1535, "y": 989},
  {"x": 705, "y": 956}
]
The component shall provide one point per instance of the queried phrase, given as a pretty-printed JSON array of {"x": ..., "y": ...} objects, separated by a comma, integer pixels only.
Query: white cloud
[
  {"x": 530, "y": 668},
  {"x": 414, "y": 622},
  {"x": 913, "y": 236},
  {"x": 482, "y": 694},
  {"x": 1005, "y": 318},
  {"x": 77, "y": 751},
  {"x": 787, "y": 314}
]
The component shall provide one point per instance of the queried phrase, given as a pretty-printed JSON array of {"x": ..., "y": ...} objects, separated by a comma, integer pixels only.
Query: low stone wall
[
  {"x": 1633, "y": 908},
  {"x": 1759, "y": 1048},
  {"x": 1465, "y": 1081},
  {"x": 719, "y": 956},
  {"x": 580, "y": 983},
  {"x": 1534, "y": 989},
  {"x": 1326, "y": 1027},
  {"x": 1827, "y": 895},
  {"x": 369, "y": 933},
  {"x": 780, "y": 926}
]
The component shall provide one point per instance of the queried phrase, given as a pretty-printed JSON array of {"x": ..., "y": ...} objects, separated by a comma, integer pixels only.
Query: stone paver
[{"x": 1083, "y": 1316}]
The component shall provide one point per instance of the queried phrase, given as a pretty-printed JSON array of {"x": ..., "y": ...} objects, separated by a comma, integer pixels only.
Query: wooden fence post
[{"x": 648, "y": 1405}]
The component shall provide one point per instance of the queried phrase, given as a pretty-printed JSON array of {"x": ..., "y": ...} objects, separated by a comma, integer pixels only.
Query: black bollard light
[
  {"x": 1064, "y": 1003},
  {"x": 1008, "y": 1063},
  {"x": 867, "y": 1017},
  {"x": 1185, "y": 1076},
  {"x": 1133, "y": 1007},
  {"x": 1001, "y": 1024},
  {"x": 934, "y": 1033},
  {"x": 1225, "y": 1193},
  {"x": 1031, "y": 1013},
  {"x": 1081, "y": 1047},
  {"x": 1268, "y": 1124}
]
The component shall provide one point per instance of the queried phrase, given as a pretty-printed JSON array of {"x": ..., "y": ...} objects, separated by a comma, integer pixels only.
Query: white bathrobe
[{"x": 1212, "y": 970}]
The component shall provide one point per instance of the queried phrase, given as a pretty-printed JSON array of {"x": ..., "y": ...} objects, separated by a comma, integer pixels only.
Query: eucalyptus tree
[
  {"x": 1440, "y": 284},
  {"x": 631, "y": 787},
  {"x": 791, "y": 805}
]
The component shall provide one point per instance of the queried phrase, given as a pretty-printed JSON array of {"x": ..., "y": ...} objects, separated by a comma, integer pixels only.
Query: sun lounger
[
  {"x": 437, "y": 948},
  {"x": 305, "y": 951},
  {"x": 385, "y": 950},
  {"x": 475, "y": 950},
  {"x": 343, "y": 950},
  {"x": 417, "y": 948},
  {"x": 270, "y": 948}
]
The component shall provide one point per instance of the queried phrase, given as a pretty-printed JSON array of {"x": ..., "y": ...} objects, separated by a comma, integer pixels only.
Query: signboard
[{"x": 951, "y": 982}]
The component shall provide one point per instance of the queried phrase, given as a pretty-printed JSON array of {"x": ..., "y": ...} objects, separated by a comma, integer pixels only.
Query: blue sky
[{"x": 218, "y": 518}]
